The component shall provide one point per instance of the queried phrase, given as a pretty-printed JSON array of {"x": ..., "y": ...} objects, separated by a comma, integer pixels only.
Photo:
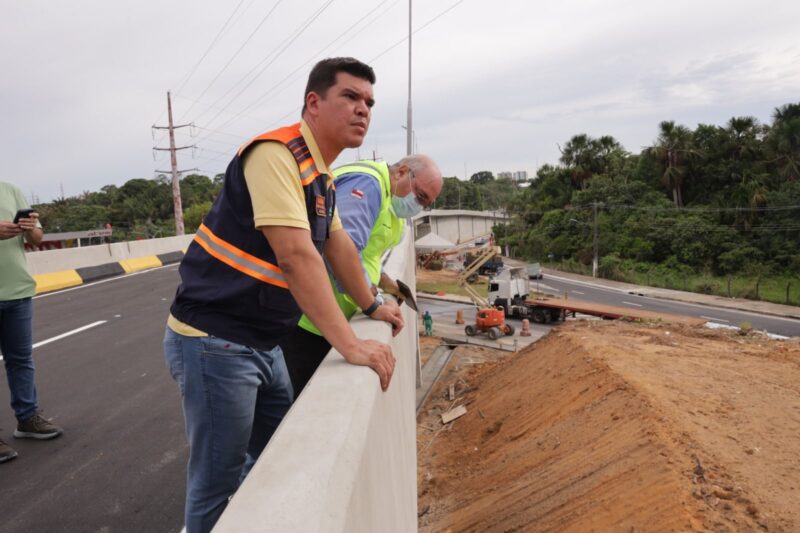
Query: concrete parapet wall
[
  {"x": 73, "y": 258},
  {"x": 344, "y": 459},
  {"x": 58, "y": 269}
]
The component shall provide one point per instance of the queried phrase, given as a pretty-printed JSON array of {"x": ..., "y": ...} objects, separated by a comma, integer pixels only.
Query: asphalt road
[
  {"x": 120, "y": 465},
  {"x": 593, "y": 293}
]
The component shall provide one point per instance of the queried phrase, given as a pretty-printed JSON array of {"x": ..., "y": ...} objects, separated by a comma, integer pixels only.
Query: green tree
[
  {"x": 672, "y": 149},
  {"x": 484, "y": 176},
  {"x": 784, "y": 141}
]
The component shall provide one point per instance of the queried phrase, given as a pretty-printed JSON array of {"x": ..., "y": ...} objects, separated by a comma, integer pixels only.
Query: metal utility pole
[
  {"x": 409, "y": 126},
  {"x": 594, "y": 260},
  {"x": 176, "y": 186}
]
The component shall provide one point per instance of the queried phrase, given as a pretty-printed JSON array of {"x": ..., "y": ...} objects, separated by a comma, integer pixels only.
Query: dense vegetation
[
  {"x": 716, "y": 208},
  {"x": 141, "y": 208}
]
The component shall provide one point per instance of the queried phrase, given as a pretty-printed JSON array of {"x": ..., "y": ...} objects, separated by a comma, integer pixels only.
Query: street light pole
[{"x": 409, "y": 125}]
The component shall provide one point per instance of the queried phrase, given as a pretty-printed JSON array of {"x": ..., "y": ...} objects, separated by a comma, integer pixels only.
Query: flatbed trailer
[{"x": 543, "y": 310}]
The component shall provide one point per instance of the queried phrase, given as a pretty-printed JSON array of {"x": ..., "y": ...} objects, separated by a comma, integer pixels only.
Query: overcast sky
[{"x": 496, "y": 85}]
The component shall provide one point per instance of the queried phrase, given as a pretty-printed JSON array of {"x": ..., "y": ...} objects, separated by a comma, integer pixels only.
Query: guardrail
[{"x": 344, "y": 458}]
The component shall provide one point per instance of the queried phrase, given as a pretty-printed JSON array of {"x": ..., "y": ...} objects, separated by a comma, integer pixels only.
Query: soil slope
[{"x": 610, "y": 426}]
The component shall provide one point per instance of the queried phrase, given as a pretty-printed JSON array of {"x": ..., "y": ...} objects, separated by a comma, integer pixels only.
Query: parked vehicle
[
  {"x": 508, "y": 288},
  {"x": 509, "y": 291},
  {"x": 534, "y": 271},
  {"x": 490, "y": 321}
]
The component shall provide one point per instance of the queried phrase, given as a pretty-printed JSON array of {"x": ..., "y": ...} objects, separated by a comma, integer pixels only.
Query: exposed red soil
[{"x": 611, "y": 426}]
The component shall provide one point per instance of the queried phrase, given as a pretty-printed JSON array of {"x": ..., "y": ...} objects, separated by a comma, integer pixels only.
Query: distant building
[
  {"x": 519, "y": 175},
  {"x": 458, "y": 225}
]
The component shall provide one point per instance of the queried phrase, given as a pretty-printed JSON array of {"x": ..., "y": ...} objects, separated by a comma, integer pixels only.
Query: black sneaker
[
  {"x": 37, "y": 427},
  {"x": 6, "y": 452}
]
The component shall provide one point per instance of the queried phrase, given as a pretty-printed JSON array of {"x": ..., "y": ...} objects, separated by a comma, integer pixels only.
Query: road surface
[{"x": 120, "y": 465}]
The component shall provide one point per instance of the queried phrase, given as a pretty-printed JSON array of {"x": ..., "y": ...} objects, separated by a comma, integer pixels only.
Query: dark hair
[{"x": 323, "y": 75}]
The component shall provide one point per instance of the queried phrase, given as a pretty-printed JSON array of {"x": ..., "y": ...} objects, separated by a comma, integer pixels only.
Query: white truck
[{"x": 509, "y": 289}]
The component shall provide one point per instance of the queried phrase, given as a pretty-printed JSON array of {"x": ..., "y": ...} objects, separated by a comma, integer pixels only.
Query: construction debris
[{"x": 452, "y": 414}]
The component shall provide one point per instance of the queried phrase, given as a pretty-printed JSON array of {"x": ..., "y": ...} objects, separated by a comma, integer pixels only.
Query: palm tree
[
  {"x": 580, "y": 157},
  {"x": 672, "y": 149},
  {"x": 609, "y": 152},
  {"x": 784, "y": 140},
  {"x": 742, "y": 133}
]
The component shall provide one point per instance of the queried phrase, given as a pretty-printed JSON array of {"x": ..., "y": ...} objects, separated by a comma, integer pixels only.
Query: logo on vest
[{"x": 320, "y": 206}]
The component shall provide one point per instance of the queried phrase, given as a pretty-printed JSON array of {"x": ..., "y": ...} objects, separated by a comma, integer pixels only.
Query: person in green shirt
[{"x": 17, "y": 288}]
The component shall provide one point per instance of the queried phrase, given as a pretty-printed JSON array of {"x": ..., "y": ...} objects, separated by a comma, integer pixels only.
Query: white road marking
[
  {"x": 67, "y": 334},
  {"x": 633, "y": 304},
  {"x": 578, "y": 292},
  {"x": 715, "y": 319}
]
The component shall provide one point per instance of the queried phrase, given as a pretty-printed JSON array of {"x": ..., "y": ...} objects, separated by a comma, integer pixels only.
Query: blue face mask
[{"x": 406, "y": 206}]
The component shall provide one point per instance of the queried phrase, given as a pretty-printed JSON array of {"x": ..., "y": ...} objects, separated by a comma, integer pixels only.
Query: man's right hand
[
  {"x": 376, "y": 355},
  {"x": 9, "y": 230}
]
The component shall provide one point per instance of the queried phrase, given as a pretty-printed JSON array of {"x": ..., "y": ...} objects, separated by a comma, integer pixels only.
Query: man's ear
[{"x": 312, "y": 102}]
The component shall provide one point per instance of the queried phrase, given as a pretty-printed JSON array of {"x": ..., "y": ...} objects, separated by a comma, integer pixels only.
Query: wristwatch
[{"x": 375, "y": 305}]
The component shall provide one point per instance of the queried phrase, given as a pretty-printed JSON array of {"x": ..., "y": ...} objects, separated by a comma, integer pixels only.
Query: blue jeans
[
  {"x": 16, "y": 344},
  {"x": 234, "y": 397}
]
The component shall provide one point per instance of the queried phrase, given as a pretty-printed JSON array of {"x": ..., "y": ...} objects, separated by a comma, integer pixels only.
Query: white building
[{"x": 458, "y": 225}]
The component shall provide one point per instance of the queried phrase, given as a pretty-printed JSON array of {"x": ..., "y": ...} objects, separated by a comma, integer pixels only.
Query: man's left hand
[
  {"x": 28, "y": 224},
  {"x": 390, "y": 312}
]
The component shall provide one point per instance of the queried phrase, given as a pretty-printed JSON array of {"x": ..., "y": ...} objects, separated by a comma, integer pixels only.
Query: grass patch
[
  {"x": 451, "y": 288},
  {"x": 769, "y": 289}
]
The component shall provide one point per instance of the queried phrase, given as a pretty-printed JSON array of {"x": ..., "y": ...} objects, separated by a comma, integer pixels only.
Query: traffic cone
[
  {"x": 460, "y": 316},
  {"x": 526, "y": 328}
]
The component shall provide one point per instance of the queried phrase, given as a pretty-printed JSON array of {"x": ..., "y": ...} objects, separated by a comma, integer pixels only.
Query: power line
[
  {"x": 292, "y": 74},
  {"x": 224, "y": 68},
  {"x": 404, "y": 39},
  {"x": 278, "y": 84},
  {"x": 214, "y": 41},
  {"x": 285, "y": 45}
]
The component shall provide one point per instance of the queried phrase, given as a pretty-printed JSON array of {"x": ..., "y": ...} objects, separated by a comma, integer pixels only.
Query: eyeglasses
[{"x": 421, "y": 197}]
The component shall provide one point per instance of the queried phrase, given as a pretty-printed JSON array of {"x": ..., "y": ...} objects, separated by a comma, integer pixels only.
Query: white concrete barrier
[
  {"x": 345, "y": 458},
  {"x": 70, "y": 258}
]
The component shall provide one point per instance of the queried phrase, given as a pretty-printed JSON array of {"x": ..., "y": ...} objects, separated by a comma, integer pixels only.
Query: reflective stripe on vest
[{"x": 239, "y": 259}]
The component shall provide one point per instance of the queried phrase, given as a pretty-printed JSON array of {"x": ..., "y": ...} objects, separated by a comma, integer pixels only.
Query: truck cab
[{"x": 509, "y": 288}]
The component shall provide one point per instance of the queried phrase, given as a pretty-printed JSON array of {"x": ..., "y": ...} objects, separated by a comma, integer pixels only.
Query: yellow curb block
[
  {"x": 56, "y": 280},
  {"x": 140, "y": 263}
]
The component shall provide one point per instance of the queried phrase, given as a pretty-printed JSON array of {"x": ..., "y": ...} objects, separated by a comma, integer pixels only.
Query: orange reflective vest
[{"x": 231, "y": 284}]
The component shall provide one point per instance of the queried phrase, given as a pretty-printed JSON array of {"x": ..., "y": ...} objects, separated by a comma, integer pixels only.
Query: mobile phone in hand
[{"x": 23, "y": 213}]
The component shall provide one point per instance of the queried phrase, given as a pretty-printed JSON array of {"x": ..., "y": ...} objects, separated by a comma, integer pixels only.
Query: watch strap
[{"x": 372, "y": 308}]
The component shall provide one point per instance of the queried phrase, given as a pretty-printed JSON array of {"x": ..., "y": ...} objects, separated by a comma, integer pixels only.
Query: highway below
[
  {"x": 586, "y": 291},
  {"x": 120, "y": 465}
]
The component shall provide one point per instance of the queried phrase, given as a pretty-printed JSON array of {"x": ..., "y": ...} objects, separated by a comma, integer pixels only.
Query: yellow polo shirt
[{"x": 273, "y": 180}]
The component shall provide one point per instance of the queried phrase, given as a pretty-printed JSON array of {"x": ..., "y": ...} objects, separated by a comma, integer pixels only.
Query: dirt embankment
[{"x": 617, "y": 427}]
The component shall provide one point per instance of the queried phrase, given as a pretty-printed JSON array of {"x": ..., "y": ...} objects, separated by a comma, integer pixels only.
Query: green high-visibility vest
[{"x": 386, "y": 233}]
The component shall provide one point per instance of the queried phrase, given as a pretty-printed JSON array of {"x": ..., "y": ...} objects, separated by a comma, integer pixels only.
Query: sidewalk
[{"x": 739, "y": 304}]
